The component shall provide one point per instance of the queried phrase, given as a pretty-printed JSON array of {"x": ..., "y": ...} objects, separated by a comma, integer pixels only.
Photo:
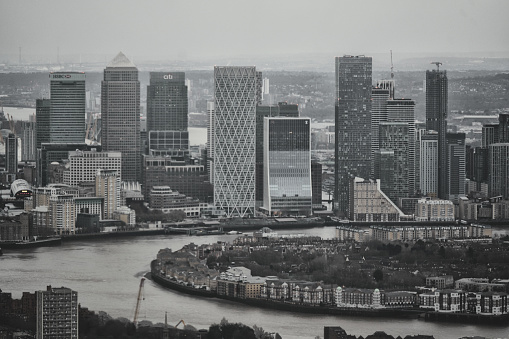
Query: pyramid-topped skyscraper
[{"x": 120, "y": 114}]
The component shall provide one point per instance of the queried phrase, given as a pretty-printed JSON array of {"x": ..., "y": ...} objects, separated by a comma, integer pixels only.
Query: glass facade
[{"x": 287, "y": 172}]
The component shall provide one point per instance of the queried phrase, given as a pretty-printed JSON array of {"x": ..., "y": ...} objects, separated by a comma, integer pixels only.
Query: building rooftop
[{"x": 121, "y": 61}]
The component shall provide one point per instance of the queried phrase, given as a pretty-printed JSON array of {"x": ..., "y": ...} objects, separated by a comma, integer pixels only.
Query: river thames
[{"x": 107, "y": 273}]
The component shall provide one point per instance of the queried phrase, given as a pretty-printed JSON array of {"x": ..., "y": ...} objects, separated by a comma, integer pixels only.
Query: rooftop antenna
[
  {"x": 392, "y": 67},
  {"x": 19, "y": 58},
  {"x": 438, "y": 63}
]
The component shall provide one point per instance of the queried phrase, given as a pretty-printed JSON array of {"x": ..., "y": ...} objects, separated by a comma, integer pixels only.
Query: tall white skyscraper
[{"x": 236, "y": 92}]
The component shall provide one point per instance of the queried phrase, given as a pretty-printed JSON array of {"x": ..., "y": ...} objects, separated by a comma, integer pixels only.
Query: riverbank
[
  {"x": 283, "y": 306},
  {"x": 394, "y": 313}
]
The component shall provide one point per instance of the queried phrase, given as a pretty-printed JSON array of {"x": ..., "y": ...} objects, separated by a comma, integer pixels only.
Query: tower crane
[
  {"x": 438, "y": 63},
  {"x": 138, "y": 301}
]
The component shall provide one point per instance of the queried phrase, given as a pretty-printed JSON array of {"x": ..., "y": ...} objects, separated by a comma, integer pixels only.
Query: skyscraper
[
  {"x": 57, "y": 313},
  {"x": 287, "y": 166},
  {"x": 210, "y": 140},
  {"x": 499, "y": 170},
  {"x": 394, "y": 137},
  {"x": 167, "y": 108},
  {"x": 436, "y": 120},
  {"x": 402, "y": 110},
  {"x": 107, "y": 186},
  {"x": 120, "y": 114},
  {"x": 428, "y": 159},
  {"x": 353, "y": 125},
  {"x": 67, "y": 108},
  {"x": 378, "y": 114},
  {"x": 456, "y": 166},
  {"x": 236, "y": 96},
  {"x": 42, "y": 121},
  {"x": 11, "y": 154}
]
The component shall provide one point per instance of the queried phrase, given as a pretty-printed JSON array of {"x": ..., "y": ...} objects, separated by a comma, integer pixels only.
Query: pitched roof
[{"x": 121, "y": 61}]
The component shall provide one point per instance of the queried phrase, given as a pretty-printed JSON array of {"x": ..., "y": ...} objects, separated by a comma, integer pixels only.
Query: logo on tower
[{"x": 168, "y": 76}]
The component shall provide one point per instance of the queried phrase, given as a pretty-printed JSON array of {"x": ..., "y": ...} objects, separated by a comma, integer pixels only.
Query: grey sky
[{"x": 200, "y": 29}]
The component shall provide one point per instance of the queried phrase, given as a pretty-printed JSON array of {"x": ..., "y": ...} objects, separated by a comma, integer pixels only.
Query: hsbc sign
[{"x": 67, "y": 76}]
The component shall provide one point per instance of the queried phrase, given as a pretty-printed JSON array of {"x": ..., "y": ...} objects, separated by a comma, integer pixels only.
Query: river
[{"x": 107, "y": 273}]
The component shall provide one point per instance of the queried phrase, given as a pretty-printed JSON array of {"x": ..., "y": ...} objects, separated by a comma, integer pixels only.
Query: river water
[{"x": 107, "y": 273}]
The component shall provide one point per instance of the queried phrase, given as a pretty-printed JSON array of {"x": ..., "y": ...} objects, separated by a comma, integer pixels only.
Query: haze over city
[{"x": 94, "y": 31}]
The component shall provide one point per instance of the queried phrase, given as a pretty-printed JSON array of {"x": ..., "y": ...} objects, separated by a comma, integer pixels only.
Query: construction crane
[
  {"x": 138, "y": 302},
  {"x": 12, "y": 126},
  {"x": 181, "y": 322},
  {"x": 438, "y": 63}
]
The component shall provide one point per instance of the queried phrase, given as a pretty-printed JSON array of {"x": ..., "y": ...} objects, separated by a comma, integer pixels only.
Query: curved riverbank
[{"x": 499, "y": 320}]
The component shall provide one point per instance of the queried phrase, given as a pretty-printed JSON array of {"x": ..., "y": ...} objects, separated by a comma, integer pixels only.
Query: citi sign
[{"x": 167, "y": 77}]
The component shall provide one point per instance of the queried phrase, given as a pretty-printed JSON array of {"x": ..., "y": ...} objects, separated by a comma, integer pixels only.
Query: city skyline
[{"x": 472, "y": 27}]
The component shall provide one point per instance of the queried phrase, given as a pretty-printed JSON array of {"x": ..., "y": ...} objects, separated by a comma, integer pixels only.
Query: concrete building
[
  {"x": 236, "y": 93},
  {"x": 126, "y": 215},
  {"x": 436, "y": 120},
  {"x": 120, "y": 114},
  {"x": 62, "y": 210},
  {"x": 107, "y": 186},
  {"x": 83, "y": 165},
  {"x": 358, "y": 298},
  {"x": 369, "y": 203},
  {"x": 287, "y": 166},
  {"x": 352, "y": 127},
  {"x": 434, "y": 210},
  {"x": 67, "y": 107},
  {"x": 90, "y": 205},
  {"x": 57, "y": 313}
]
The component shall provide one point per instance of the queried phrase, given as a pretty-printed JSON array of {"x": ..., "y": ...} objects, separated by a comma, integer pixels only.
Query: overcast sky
[{"x": 200, "y": 29}]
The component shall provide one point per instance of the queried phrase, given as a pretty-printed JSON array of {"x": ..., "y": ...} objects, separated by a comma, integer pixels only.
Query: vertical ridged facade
[
  {"x": 120, "y": 114},
  {"x": 236, "y": 97},
  {"x": 499, "y": 170},
  {"x": 353, "y": 125}
]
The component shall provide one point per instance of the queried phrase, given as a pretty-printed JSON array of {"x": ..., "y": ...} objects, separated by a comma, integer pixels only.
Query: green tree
[{"x": 378, "y": 275}]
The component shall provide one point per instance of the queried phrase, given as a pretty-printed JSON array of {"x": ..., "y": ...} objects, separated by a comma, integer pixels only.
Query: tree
[{"x": 378, "y": 275}]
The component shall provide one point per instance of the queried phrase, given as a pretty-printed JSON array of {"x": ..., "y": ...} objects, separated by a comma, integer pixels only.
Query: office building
[
  {"x": 49, "y": 154},
  {"x": 236, "y": 97},
  {"x": 353, "y": 125},
  {"x": 499, "y": 170},
  {"x": 456, "y": 166},
  {"x": 67, "y": 107},
  {"x": 167, "y": 102},
  {"x": 83, "y": 166},
  {"x": 428, "y": 158},
  {"x": 57, "y": 313},
  {"x": 434, "y": 210},
  {"x": 287, "y": 166},
  {"x": 107, "y": 186},
  {"x": 167, "y": 111},
  {"x": 436, "y": 120},
  {"x": 288, "y": 110},
  {"x": 120, "y": 114},
  {"x": 263, "y": 111},
  {"x": 42, "y": 121},
  {"x": 503, "y": 128},
  {"x": 489, "y": 134}
]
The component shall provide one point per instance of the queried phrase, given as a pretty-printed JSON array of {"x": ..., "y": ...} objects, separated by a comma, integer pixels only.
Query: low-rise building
[
  {"x": 445, "y": 281},
  {"x": 434, "y": 210},
  {"x": 358, "y": 298},
  {"x": 444, "y": 301}
]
